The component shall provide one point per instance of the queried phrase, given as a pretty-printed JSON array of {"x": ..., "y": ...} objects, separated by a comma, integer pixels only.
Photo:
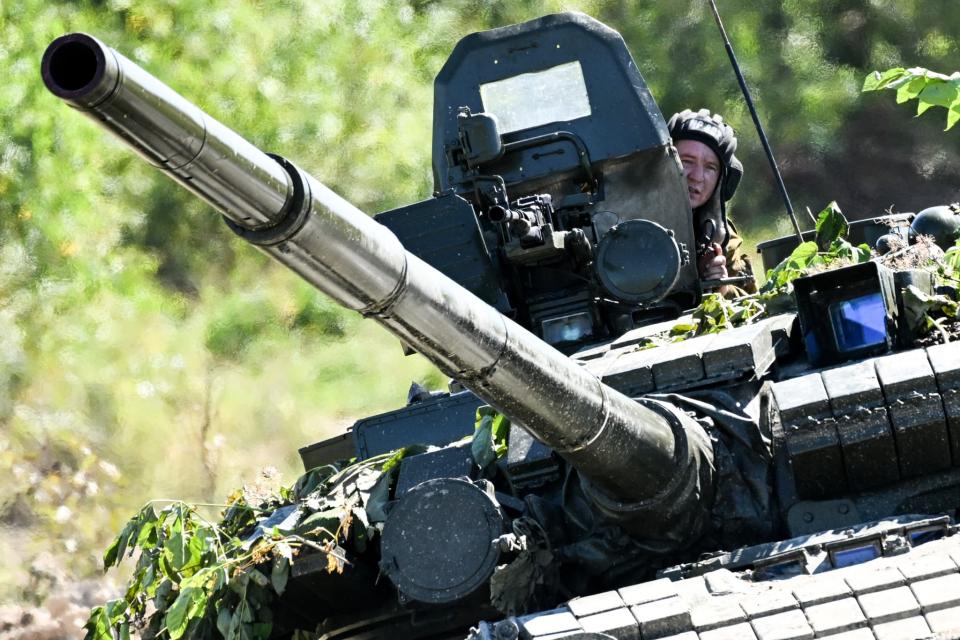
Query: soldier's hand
[{"x": 713, "y": 264}]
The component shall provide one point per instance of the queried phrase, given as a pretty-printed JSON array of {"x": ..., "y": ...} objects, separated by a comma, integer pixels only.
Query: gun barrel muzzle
[{"x": 246, "y": 184}]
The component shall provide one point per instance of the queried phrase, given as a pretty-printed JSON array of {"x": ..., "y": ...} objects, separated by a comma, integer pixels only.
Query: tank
[{"x": 795, "y": 477}]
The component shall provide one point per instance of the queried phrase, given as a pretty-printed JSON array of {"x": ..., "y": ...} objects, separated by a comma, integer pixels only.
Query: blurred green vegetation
[{"x": 147, "y": 352}]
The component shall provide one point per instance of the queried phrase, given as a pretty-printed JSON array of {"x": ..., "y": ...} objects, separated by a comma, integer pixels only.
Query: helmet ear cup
[{"x": 731, "y": 179}]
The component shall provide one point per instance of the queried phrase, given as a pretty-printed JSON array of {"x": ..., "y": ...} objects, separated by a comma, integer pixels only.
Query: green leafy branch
[
  {"x": 491, "y": 435},
  {"x": 949, "y": 266},
  {"x": 829, "y": 249},
  {"x": 930, "y": 89},
  {"x": 185, "y": 564},
  {"x": 926, "y": 313},
  {"x": 197, "y": 579}
]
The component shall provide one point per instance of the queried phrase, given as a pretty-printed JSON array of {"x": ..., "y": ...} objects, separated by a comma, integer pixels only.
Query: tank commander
[{"x": 706, "y": 146}]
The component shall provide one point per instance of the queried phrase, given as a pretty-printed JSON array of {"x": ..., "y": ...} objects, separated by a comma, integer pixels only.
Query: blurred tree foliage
[
  {"x": 928, "y": 88},
  {"x": 145, "y": 350}
]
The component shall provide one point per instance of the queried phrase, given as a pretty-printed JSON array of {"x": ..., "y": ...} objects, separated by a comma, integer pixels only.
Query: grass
[{"x": 186, "y": 400}]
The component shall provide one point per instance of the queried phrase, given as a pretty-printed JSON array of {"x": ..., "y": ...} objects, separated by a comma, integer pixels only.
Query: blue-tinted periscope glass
[
  {"x": 860, "y": 322},
  {"x": 849, "y": 557}
]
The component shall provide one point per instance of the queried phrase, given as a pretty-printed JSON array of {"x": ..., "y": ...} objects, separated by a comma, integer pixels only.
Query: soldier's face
[{"x": 701, "y": 169}]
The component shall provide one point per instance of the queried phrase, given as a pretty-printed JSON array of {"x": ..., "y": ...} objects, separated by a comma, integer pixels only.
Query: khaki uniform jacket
[{"x": 738, "y": 263}]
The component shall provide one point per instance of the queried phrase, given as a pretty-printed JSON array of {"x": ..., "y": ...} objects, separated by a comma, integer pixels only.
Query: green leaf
[
  {"x": 258, "y": 596},
  {"x": 136, "y": 532},
  {"x": 952, "y": 257},
  {"x": 175, "y": 551},
  {"x": 147, "y": 536},
  {"x": 261, "y": 630},
  {"x": 920, "y": 308},
  {"x": 162, "y": 597},
  {"x": 831, "y": 226},
  {"x": 939, "y": 94},
  {"x": 222, "y": 577},
  {"x": 916, "y": 304},
  {"x": 931, "y": 89},
  {"x": 169, "y": 563},
  {"x": 258, "y": 578},
  {"x": 238, "y": 583},
  {"x": 953, "y": 116},
  {"x": 491, "y": 433},
  {"x": 189, "y": 605},
  {"x": 791, "y": 267},
  {"x": 283, "y": 549},
  {"x": 877, "y": 80},
  {"x": 803, "y": 255},
  {"x": 713, "y": 315},
  {"x": 246, "y": 613},
  {"x": 682, "y": 328},
  {"x": 911, "y": 89},
  {"x": 501, "y": 434},
  {"x": 360, "y": 529},
  {"x": 98, "y": 625},
  {"x": 200, "y": 544},
  {"x": 328, "y": 519},
  {"x": 111, "y": 555},
  {"x": 116, "y": 610},
  {"x": 311, "y": 480},
  {"x": 482, "y": 446},
  {"x": 379, "y": 496},
  {"x": 236, "y": 621},
  {"x": 224, "y": 620},
  {"x": 394, "y": 460},
  {"x": 279, "y": 574}
]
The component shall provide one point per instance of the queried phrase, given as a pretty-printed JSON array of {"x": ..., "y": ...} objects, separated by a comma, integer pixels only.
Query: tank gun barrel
[{"x": 635, "y": 456}]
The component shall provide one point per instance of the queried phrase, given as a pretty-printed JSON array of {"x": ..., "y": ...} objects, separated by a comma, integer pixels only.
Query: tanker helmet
[
  {"x": 711, "y": 130},
  {"x": 940, "y": 222}
]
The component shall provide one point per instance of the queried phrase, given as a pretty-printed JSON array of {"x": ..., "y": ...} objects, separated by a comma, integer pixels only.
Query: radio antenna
[{"x": 756, "y": 122}]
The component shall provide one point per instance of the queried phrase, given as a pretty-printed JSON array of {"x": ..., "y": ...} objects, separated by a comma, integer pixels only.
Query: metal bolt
[{"x": 506, "y": 630}]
